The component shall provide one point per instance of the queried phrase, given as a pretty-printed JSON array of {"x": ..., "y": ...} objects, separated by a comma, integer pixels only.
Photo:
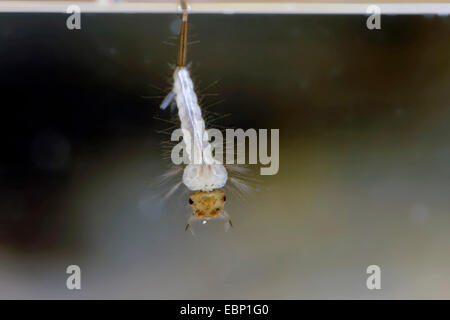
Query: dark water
[{"x": 364, "y": 157}]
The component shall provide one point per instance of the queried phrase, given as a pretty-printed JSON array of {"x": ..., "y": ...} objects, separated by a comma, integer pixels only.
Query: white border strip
[{"x": 226, "y": 8}]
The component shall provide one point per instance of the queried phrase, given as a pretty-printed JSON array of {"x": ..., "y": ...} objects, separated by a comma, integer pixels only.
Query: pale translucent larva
[{"x": 203, "y": 174}]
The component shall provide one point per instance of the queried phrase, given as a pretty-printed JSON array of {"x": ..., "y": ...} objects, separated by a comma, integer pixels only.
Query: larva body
[{"x": 203, "y": 172}]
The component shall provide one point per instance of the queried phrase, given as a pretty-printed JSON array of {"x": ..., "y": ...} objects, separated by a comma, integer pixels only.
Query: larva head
[{"x": 207, "y": 205}]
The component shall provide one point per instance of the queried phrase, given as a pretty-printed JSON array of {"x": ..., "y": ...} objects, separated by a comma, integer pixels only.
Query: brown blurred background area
[{"x": 364, "y": 157}]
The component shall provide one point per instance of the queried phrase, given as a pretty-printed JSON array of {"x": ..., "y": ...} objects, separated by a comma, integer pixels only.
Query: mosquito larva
[{"x": 204, "y": 174}]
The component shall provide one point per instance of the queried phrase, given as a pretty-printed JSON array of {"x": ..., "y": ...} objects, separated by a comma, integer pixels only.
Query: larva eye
[
  {"x": 224, "y": 198},
  {"x": 190, "y": 201}
]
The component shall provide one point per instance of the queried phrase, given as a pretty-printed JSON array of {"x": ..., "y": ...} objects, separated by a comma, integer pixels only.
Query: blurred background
[{"x": 364, "y": 157}]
